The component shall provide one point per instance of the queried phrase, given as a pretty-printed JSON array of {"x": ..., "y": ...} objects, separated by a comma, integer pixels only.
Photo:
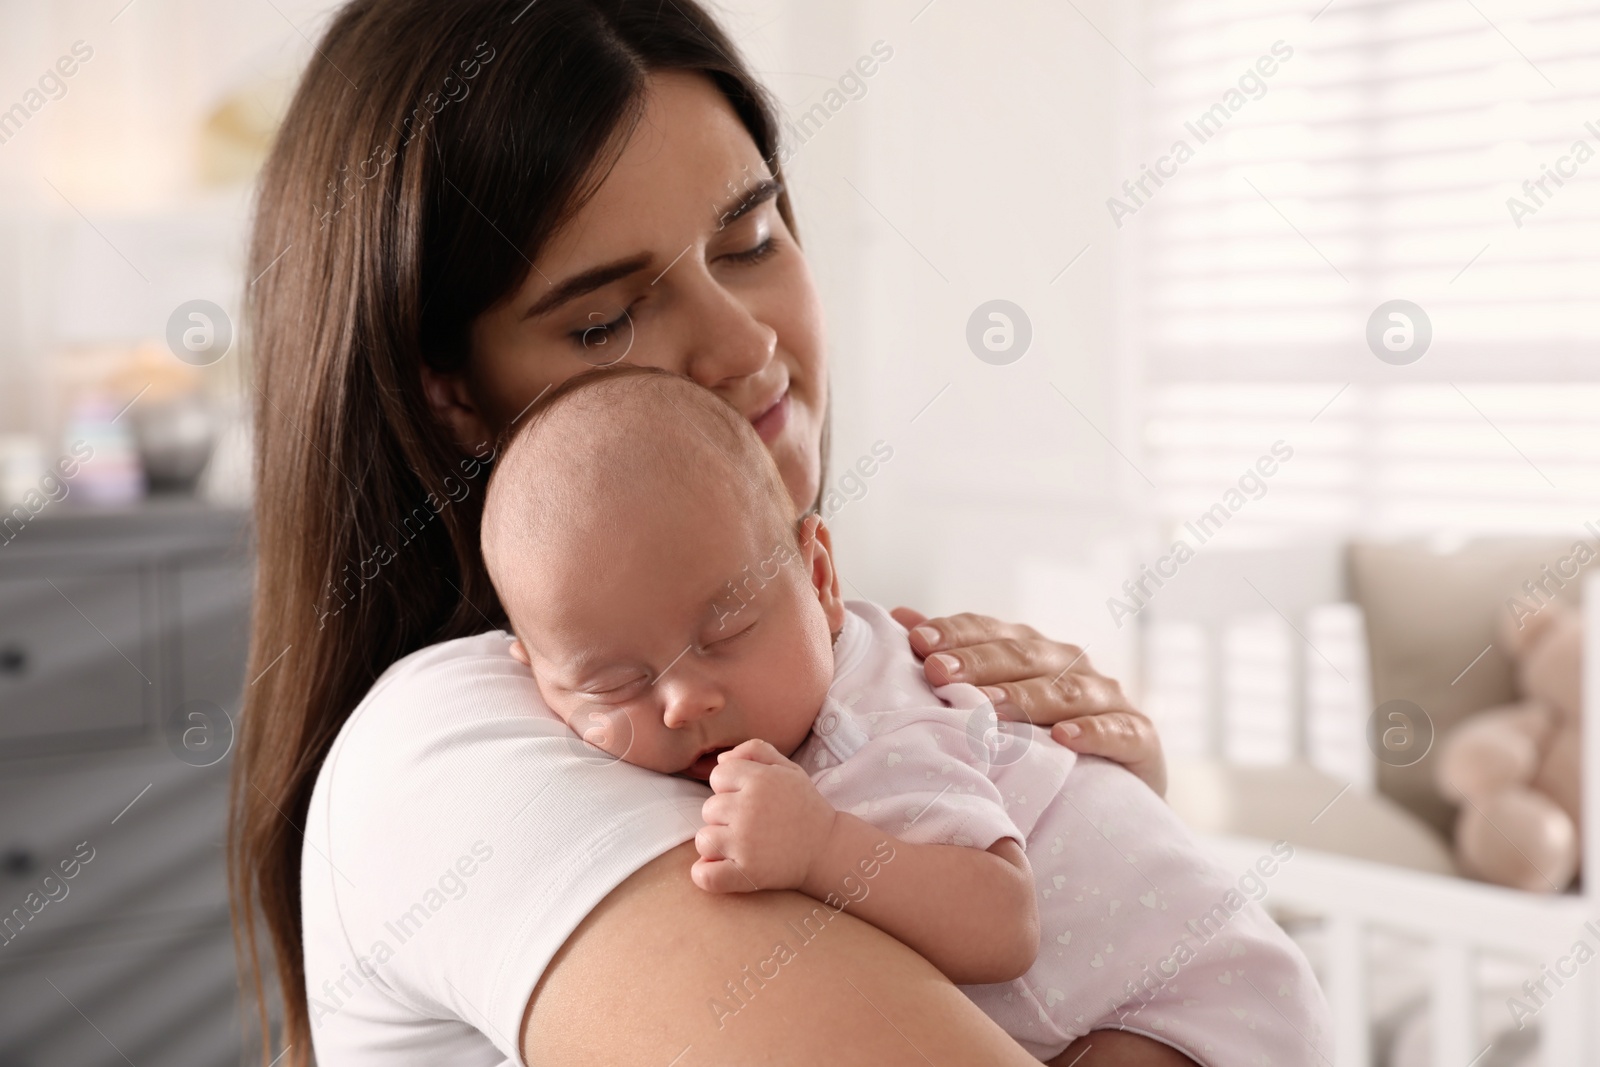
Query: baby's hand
[{"x": 765, "y": 823}]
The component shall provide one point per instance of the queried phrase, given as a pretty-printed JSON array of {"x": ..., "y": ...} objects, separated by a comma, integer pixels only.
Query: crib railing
[
  {"x": 1457, "y": 920},
  {"x": 1255, "y": 658}
]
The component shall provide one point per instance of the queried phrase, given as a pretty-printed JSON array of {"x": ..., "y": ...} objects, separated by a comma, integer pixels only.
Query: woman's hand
[{"x": 1030, "y": 678}]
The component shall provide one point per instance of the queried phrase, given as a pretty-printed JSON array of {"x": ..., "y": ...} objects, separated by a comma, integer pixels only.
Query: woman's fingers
[
  {"x": 956, "y": 631},
  {"x": 1030, "y": 678},
  {"x": 1125, "y": 737},
  {"x": 908, "y": 617},
  {"x": 1005, "y": 659},
  {"x": 1034, "y": 700},
  {"x": 1110, "y": 734},
  {"x": 986, "y": 651},
  {"x": 1046, "y": 701}
]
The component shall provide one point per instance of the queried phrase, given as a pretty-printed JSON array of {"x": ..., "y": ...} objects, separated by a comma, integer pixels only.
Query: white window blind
[{"x": 1444, "y": 152}]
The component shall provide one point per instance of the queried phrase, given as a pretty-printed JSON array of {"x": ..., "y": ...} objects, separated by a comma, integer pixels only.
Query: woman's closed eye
[
  {"x": 756, "y": 254},
  {"x": 598, "y": 333}
]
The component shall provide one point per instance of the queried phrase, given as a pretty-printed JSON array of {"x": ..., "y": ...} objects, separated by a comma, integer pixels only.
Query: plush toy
[{"x": 1515, "y": 770}]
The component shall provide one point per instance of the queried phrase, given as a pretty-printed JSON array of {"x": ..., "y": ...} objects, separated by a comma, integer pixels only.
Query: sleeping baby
[{"x": 675, "y": 615}]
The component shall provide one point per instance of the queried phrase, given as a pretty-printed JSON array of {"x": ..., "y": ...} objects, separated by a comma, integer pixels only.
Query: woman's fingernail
[
  {"x": 930, "y": 636},
  {"x": 1070, "y": 729},
  {"x": 949, "y": 664},
  {"x": 994, "y": 693}
]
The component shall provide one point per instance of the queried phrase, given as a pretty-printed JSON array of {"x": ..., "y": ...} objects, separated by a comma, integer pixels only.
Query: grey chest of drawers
[{"x": 122, "y": 648}]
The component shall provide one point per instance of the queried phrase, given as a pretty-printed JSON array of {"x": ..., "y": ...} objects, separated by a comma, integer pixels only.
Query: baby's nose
[{"x": 691, "y": 704}]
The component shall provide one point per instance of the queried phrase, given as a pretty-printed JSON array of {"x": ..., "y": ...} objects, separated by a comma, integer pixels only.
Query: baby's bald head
[{"x": 617, "y": 455}]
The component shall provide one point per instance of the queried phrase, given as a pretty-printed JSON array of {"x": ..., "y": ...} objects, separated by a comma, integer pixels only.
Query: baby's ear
[
  {"x": 519, "y": 653},
  {"x": 817, "y": 549}
]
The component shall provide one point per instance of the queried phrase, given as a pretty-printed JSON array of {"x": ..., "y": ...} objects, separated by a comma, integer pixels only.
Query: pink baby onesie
[{"x": 1139, "y": 930}]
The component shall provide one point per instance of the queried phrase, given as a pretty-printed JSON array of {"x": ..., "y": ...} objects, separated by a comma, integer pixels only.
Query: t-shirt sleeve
[
  {"x": 917, "y": 779},
  {"x": 458, "y": 833}
]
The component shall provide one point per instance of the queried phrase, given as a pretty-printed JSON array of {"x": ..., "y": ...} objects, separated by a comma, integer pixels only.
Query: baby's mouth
[{"x": 704, "y": 764}]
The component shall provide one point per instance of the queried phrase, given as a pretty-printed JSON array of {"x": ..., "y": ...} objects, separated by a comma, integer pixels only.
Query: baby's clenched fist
[{"x": 765, "y": 823}]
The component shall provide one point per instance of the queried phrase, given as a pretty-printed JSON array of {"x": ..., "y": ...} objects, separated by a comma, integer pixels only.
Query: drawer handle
[
  {"x": 13, "y": 660},
  {"x": 17, "y": 862}
]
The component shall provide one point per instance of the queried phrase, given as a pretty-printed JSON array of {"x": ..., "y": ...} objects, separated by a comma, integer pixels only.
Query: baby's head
[{"x": 646, "y": 552}]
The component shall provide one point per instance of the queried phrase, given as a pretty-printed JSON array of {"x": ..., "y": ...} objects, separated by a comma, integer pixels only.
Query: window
[{"x": 1298, "y": 168}]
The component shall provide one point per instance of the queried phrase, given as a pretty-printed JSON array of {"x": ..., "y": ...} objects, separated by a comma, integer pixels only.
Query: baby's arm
[{"x": 969, "y": 912}]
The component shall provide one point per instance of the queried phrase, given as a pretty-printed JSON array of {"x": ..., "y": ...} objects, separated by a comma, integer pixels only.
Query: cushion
[
  {"x": 1278, "y": 803},
  {"x": 1429, "y": 614}
]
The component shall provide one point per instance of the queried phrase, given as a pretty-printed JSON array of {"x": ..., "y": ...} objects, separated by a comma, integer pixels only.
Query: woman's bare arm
[
  {"x": 639, "y": 981},
  {"x": 636, "y": 982},
  {"x": 1119, "y": 1048}
]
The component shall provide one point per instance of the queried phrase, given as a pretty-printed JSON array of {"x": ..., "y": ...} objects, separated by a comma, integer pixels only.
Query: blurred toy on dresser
[{"x": 135, "y": 423}]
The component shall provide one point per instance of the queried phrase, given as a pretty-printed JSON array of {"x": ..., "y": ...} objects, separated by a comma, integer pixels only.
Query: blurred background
[{"x": 1249, "y": 344}]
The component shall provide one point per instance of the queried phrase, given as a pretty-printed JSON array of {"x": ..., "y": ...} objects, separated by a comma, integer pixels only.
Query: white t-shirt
[{"x": 458, "y": 833}]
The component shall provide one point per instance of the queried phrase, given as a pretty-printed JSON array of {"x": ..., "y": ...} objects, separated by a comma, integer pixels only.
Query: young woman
[{"x": 469, "y": 201}]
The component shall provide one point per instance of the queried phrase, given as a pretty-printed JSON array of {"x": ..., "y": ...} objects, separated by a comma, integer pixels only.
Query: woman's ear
[
  {"x": 816, "y": 551},
  {"x": 452, "y": 405}
]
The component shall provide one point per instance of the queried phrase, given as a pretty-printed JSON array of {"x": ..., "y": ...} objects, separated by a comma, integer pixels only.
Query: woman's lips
[{"x": 770, "y": 423}]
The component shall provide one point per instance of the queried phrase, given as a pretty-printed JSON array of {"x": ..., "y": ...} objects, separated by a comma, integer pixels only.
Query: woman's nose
[{"x": 724, "y": 339}]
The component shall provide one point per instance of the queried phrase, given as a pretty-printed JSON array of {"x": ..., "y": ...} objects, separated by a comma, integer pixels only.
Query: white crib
[{"x": 1315, "y": 711}]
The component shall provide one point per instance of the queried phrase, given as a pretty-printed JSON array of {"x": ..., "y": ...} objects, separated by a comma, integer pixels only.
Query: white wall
[
  {"x": 105, "y": 225},
  {"x": 976, "y": 167}
]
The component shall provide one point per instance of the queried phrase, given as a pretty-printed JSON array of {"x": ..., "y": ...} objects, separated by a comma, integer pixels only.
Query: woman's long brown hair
[{"x": 431, "y": 149}]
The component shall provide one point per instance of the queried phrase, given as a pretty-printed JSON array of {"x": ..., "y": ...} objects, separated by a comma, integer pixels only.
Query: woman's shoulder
[
  {"x": 482, "y": 662},
  {"x": 463, "y": 717},
  {"x": 423, "y": 710},
  {"x": 456, "y": 734},
  {"x": 453, "y": 689},
  {"x": 452, "y": 776}
]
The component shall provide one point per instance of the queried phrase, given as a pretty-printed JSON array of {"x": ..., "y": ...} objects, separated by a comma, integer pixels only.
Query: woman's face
[{"x": 680, "y": 260}]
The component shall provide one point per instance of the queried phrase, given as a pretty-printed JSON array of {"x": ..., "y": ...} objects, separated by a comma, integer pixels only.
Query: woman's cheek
[
  {"x": 800, "y": 320},
  {"x": 799, "y": 459}
]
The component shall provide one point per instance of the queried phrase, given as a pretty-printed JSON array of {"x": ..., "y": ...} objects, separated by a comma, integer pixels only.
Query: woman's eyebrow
[
  {"x": 587, "y": 282},
  {"x": 749, "y": 200}
]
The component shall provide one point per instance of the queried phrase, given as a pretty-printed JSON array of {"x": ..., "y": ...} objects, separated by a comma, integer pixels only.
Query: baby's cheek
[
  {"x": 608, "y": 729},
  {"x": 809, "y": 688}
]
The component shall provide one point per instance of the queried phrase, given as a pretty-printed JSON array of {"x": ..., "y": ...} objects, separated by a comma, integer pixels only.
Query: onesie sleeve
[{"x": 919, "y": 776}]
